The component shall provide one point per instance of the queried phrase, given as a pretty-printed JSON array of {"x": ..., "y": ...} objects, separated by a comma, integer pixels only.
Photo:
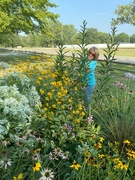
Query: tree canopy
[
  {"x": 125, "y": 14},
  {"x": 25, "y": 15}
]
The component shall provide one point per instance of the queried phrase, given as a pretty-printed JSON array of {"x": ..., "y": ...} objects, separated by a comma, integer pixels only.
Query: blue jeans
[{"x": 88, "y": 92}]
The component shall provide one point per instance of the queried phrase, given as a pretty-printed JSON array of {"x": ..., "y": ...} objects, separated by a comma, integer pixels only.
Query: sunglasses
[{"x": 92, "y": 54}]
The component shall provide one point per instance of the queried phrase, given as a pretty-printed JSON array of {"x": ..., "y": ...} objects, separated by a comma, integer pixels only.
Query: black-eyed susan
[
  {"x": 75, "y": 165},
  {"x": 37, "y": 166},
  {"x": 126, "y": 142}
]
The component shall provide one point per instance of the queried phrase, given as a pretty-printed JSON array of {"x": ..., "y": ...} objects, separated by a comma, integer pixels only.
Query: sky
[{"x": 97, "y": 13}]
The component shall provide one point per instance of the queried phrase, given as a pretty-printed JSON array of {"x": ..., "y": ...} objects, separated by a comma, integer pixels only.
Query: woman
[{"x": 91, "y": 64}]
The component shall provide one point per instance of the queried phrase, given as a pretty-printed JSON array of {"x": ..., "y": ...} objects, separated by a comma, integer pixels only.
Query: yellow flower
[
  {"x": 73, "y": 112},
  {"x": 75, "y": 165},
  {"x": 90, "y": 160},
  {"x": 115, "y": 160},
  {"x": 38, "y": 82},
  {"x": 126, "y": 142},
  {"x": 59, "y": 83},
  {"x": 45, "y": 109},
  {"x": 39, "y": 78},
  {"x": 59, "y": 94},
  {"x": 37, "y": 167},
  {"x": 65, "y": 91},
  {"x": 77, "y": 112},
  {"x": 121, "y": 165},
  {"x": 49, "y": 94},
  {"x": 87, "y": 153},
  {"x": 54, "y": 105},
  {"x": 96, "y": 165},
  {"x": 47, "y": 98},
  {"x": 52, "y": 90},
  {"x": 63, "y": 107},
  {"x": 130, "y": 153},
  {"x": 77, "y": 121},
  {"x": 102, "y": 139},
  {"x": 83, "y": 113},
  {"x": 98, "y": 145},
  {"x": 101, "y": 155},
  {"x": 69, "y": 116},
  {"x": 41, "y": 91},
  {"x": 80, "y": 107},
  {"x": 32, "y": 57},
  {"x": 116, "y": 143},
  {"x": 36, "y": 150},
  {"x": 53, "y": 75},
  {"x": 54, "y": 84},
  {"x": 20, "y": 176},
  {"x": 70, "y": 100},
  {"x": 65, "y": 72}
]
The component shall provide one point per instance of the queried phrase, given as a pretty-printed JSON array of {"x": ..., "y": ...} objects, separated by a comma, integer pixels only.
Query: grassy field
[
  {"x": 128, "y": 52},
  {"x": 15, "y": 59},
  {"x": 123, "y": 52}
]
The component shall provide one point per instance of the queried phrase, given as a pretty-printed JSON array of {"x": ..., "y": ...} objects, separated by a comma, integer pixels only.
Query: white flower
[
  {"x": 46, "y": 175},
  {"x": 5, "y": 163},
  {"x": 52, "y": 156}
]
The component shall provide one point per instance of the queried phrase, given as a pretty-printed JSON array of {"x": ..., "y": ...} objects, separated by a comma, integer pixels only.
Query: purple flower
[{"x": 68, "y": 127}]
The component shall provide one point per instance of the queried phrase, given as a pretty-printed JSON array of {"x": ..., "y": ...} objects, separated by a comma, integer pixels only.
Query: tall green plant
[
  {"x": 60, "y": 61},
  {"x": 82, "y": 52},
  {"x": 77, "y": 63},
  {"x": 104, "y": 74},
  {"x": 116, "y": 115}
]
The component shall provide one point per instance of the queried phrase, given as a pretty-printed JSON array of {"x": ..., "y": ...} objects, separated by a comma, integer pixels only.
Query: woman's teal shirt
[{"x": 90, "y": 76}]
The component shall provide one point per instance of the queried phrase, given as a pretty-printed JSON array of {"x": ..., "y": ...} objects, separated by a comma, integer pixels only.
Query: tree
[
  {"x": 92, "y": 36},
  {"x": 25, "y": 15},
  {"x": 125, "y": 14},
  {"x": 10, "y": 40},
  {"x": 132, "y": 38},
  {"x": 103, "y": 37},
  {"x": 122, "y": 37},
  {"x": 68, "y": 34}
]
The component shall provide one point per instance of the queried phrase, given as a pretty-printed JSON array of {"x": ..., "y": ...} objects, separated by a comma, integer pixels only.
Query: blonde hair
[{"x": 96, "y": 52}]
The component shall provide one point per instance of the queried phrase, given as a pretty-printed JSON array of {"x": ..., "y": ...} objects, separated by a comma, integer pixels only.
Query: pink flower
[{"x": 90, "y": 119}]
